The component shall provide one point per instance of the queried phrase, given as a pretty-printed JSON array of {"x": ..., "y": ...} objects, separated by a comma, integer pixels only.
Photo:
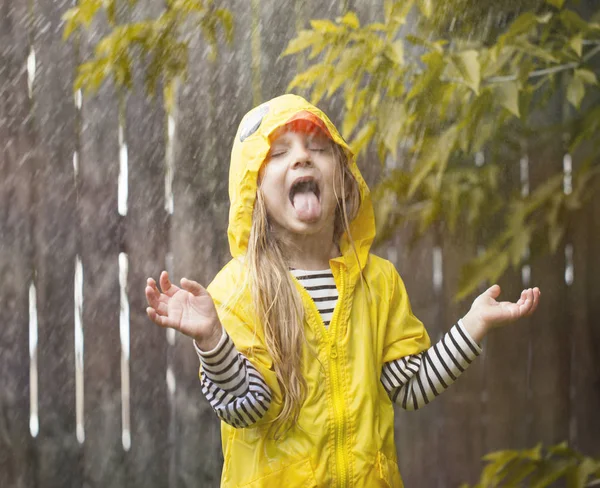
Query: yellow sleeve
[
  {"x": 233, "y": 302},
  {"x": 405, "y": 334}
]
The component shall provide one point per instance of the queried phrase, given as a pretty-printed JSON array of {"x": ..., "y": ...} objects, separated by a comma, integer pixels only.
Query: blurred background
[{"x": 476, "y": 125}]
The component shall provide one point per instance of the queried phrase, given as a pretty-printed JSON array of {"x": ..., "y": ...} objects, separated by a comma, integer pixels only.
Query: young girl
[{"x": 305, "y": 338}]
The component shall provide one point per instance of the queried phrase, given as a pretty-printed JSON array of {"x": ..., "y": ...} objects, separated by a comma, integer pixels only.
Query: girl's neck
[{"x": 309, "y": 254}]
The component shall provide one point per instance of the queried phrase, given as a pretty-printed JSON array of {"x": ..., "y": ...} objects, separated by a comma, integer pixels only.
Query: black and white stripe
[
  {"x": 321, "y": 287},
  {"x": 413, "y": 381},
  {"x": 234, "y": 388},
  {"x": 240, "y": 397}
]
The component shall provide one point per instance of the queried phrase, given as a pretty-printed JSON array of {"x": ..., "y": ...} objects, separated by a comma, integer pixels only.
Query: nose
[{"x": 301, "y": 156}]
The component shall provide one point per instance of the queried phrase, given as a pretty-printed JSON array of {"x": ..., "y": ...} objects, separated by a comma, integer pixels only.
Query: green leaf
[
  {"x": 304, "y": 40},
  {"x": 550, "y": 473},
  {"x": 392, "y": 117},
  {"x": 467, "y": 63},
  {"x": 575, "y": 91},
  {"x": 362, "y": 139},
  {"x": 523, "y": 23},
  {"x": 326, "y": 27},
  {"x": 226, "y": 19},
  {"x": 435, "y": 152},
  {"x": 586, "y": 469},
  {"x": 507, "y": 94},
  {"x": 398, "y": 52},
  {"x": 346, "y": 68},
  {"x": 588, "y": 77},
  {"x": 354, "y": 113},
  {"x": 351, "y": 20},
  {"x": 377, "y": 27},
  {"x": 426, "y": 7},
  {"x": 573, "y": 21},
  {"x": 70, "y": 19},
  {"x": 519, "y": 244},
  {"x": 309, "y": 76},
  {"x": 488, "y": 267},
  {"x": 556, "y": 3},
  {"x": 576, "y": 44}
]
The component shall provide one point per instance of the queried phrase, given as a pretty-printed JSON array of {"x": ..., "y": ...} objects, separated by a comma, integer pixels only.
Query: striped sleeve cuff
[
  {"x": 468, "y": 340},
  {"x": 413, "y": 381},
  {"x": 224, "y": 366},
  {"x": 207, "y": 355}
]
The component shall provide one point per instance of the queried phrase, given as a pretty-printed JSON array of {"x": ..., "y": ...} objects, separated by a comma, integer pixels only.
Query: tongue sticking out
[{"x": 307, "y": 206}]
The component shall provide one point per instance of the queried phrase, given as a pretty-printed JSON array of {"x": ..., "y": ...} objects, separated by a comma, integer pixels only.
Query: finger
[
  {"x": 536, "y": 300},
  {"x": 526, "y": 307},
  {"x": 193, "y": 287},
  {"x": 152, "y": 296},
  {"x": 166, "y": 286},
  {"x": 493, "y": 291},
  {"x": 152, "y": 284},
  {"x": 156, "y": 318},
  {"x": 522, "y": 298},
  {"x": 158, "y": 301}
]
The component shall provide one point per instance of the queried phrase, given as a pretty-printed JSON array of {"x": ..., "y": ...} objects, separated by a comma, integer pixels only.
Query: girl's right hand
[{"x": 189, "y": 309}]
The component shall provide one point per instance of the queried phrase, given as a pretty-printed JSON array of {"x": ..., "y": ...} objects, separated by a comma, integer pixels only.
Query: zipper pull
[{"x": 333, "y": 351}]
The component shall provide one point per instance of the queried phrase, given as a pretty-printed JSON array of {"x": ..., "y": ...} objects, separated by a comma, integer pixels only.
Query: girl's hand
[
  {"x": 189, "y": 309},
  {"x": 486, "y": 313}
]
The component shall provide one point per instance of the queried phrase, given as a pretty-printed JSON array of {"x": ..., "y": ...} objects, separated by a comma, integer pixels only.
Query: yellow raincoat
[{"x": 345, "y": 432}]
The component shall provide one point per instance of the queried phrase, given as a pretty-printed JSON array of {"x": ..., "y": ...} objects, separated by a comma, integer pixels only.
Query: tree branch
[{"x": 546, "y": 71}]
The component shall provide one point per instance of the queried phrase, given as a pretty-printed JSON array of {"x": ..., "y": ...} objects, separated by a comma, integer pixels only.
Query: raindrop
[
  {"x": 34, "y": 422},
  {"x": 31, "y": 70},
  {"x": 438, "y": 276},
  {"x": 524, "y": 165},
  {"x": 124, "y": 335},
  {"x": 569, "y": 269},
  {"x": 123, "y": 174},
  {"x": 479, "y": 159},
  {"x": 79, "y": 404},
  {"x": 568, "y": 174},
  {"x": 170, "y": 380}
]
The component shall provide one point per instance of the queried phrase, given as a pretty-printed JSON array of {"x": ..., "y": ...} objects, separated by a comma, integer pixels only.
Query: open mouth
[
  {"x": 305, "y": 197},
  {"x": 306, "y": 184}
]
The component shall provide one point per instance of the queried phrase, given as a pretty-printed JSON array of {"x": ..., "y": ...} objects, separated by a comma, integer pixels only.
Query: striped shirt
[{"x": 240, "y": 397}]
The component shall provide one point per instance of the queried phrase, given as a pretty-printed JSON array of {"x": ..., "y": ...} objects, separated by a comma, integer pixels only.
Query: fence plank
[
  {"x": 277, "y": 28},
  {"x": 101, "y": 230},
  {"x": 460, "y": 447},
  {"x": 16, "y": 147},
  {"x": 146, "y": 236},
  {"x": 222, "y": 90},
  {"x": 507, "y": 415},
  {"x": 146, "y": 246},
  {"x": 550, "y": 361},
  {"x": 584, "y": 307},
  {"x": 417, "y": 431},
  {"x": 55, "y": 241}
]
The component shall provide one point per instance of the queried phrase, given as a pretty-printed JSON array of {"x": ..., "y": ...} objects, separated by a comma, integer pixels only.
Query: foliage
[
  {"x": 433, "y": 103},
  {"x": 160, "y": 41},
  {"x": 536, "y": 468}
]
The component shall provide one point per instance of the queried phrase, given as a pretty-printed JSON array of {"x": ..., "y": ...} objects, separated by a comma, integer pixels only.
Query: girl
[{"x": 305, "y": 338}]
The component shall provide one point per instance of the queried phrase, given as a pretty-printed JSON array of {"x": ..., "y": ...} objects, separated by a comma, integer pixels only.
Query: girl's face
[{"x": 297, "y": 179}]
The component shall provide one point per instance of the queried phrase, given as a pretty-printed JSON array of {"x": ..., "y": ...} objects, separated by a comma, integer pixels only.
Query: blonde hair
[{"x": 275, "y": 298}]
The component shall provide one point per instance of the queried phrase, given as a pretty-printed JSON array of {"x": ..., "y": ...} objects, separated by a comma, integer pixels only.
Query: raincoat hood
[{"x": 250, "y": 149}]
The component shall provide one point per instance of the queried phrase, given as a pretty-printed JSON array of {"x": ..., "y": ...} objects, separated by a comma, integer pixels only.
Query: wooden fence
[{"x": 95, "y": 395}]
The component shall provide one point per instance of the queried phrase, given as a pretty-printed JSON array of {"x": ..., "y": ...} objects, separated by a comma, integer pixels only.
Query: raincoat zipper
[
  {"x": 341, "y": 451},
  {"x": 341, "y": 454}
]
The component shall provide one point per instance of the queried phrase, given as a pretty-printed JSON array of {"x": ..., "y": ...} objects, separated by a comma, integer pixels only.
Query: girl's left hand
[{"x": 486, "y": 313}]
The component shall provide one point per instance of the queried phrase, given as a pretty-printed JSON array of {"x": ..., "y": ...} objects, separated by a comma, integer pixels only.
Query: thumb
[
  {"x": 493, "y": 291},
  {"x": 193, "y": 287}
]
